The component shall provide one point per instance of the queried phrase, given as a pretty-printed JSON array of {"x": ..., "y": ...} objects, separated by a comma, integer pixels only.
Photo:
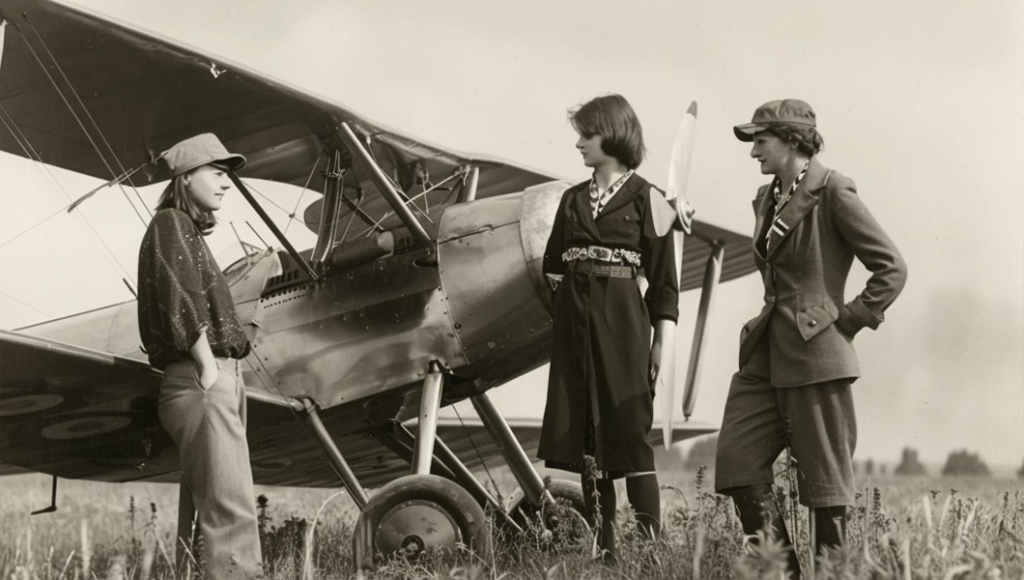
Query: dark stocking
[
  {"x": 830, "y": 527},
  {"x": 645, "y": 497},
  {"x": 606, "y": 489},
  {"x": 759, "y": 510}
]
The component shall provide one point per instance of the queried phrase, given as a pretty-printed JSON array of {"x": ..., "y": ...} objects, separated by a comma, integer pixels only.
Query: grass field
[{"x": 900, "y": 528}]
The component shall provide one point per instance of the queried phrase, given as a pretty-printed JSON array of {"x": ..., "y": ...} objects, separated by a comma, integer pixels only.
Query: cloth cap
[
  {"x": 784, "y": 112},
  {"x": 200, "y": 150}
]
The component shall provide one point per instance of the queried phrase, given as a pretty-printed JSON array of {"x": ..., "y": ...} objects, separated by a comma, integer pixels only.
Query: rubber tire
[
  {"x": 448, "y": 495},
  {"x": 564, "y": 491}
]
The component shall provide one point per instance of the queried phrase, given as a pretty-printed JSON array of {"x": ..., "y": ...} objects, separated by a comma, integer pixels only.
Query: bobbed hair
[
  {"x": 806, "y": 139},
  {"x": 177, "y": 196},
  {"x": 613, "y": 119}
]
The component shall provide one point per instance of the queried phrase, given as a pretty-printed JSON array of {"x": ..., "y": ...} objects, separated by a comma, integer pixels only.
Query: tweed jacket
[{"x": 809, "y": 324}]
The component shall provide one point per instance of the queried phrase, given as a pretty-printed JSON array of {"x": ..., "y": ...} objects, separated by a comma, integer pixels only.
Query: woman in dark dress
[
  {"x": 603, "y": 364},
  {"x": 190, "y": 330}
]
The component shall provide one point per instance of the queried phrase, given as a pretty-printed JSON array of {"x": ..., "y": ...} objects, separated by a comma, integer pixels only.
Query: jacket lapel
[
  {"x": 621, "y": 197},
  {"x": 585, "y": 215},
  {"x": 803, "y": 199},
  {"x": 761, "y": 206}
]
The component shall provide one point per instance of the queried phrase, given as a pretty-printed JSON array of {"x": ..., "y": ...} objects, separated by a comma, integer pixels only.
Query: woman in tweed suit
[{"x": 797, "y": 362}]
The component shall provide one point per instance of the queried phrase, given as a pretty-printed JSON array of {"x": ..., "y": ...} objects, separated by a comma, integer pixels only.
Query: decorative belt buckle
[{"x": 599, "y": 253}]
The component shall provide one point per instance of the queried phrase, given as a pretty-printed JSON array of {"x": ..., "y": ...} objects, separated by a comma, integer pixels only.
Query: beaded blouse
[{"x": 182, "y": 291}]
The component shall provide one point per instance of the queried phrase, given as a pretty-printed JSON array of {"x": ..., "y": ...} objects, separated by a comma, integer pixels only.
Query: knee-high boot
[
  {"x": 645, "y": 497},
  {"x": 606, "y": 532},
  {"x": 759, "y": 510}
]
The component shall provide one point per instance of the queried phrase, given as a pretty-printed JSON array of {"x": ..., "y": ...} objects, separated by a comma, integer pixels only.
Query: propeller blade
[
  {"x": 682, "y": 150},
  {"x": 678, "y": 173}
]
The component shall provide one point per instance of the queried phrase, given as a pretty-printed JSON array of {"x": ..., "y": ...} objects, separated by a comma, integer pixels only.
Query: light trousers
[{"x": 208, "y": 426}]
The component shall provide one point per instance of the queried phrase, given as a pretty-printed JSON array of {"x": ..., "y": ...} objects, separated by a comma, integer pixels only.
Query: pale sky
[{"x": 919, "y": 102}]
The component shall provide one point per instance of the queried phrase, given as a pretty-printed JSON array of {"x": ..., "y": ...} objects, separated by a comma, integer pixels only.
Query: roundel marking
[
  {"x": 23, "y": 405},
  {"x": 85, "y": 427}
]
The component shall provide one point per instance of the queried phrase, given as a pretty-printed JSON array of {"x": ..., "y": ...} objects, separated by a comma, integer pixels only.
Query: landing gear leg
[
  {"x": 430, "y": 404},
  {"x": 518, "y": 462},
  {"x": 401, "y": 441},
  {"x": 532, "y": 498},
  {"x": 421, "y": 512},
  {"x": 341, "y": 467}
]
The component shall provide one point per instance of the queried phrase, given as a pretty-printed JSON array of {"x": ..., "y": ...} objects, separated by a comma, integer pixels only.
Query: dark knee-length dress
[{"x": 599, "y": 401}]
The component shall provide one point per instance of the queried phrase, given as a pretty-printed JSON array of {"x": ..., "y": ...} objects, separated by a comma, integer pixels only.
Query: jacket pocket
[{"x": 811, "y": 320}]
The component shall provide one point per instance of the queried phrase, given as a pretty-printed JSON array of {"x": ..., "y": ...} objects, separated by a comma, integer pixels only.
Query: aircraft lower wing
[
  {"x": 469, "y": 437},
  {"x": 82, "y": 414},
  {"x": 76, "y": 412}
]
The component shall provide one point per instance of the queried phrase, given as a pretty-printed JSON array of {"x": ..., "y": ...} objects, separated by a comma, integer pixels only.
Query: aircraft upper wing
[
  {"x": 91, "y": 95},
  {"x": 85, "y": 93}
]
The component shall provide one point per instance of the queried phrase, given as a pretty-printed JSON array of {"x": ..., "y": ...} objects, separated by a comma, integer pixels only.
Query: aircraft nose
[
  {"x": 536, "y": 218},
  {"x": 490, "y": 255}
]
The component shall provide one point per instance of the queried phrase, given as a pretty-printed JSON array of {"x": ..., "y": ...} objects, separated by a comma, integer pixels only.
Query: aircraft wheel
[
  {"x": 416, "y": 514},
  {"x": 563, "y": 522}
]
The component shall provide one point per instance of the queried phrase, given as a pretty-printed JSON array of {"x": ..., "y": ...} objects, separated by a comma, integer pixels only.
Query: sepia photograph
[{"x": 455, "y": 289}]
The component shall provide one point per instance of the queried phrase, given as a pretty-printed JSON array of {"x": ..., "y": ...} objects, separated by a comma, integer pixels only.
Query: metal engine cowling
[{"x": 490, "y": 254}]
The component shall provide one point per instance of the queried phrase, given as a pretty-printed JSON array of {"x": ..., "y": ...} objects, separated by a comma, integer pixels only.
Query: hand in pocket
[{"x": 208, "y": 377}]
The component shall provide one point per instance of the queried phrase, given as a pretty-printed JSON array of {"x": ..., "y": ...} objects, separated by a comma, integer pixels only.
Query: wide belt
[
  {"x": 602, "y": 254},
  {"x": 608, "y": 270}
]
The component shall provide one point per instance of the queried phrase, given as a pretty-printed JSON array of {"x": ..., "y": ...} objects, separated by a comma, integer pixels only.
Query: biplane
[{"x": 424, "y": 287}]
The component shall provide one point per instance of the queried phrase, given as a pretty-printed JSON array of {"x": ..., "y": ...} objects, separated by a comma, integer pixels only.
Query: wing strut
[
  {"x": 712, "y": 274},
  {"x": 387, "y": 190},
  {"x": 273, "y": 227},
  {"x": 328, "y": 231},
  {"x": 468, "y": 191}
]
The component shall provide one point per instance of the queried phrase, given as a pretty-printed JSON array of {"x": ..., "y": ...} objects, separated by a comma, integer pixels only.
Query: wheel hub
[{"x": 414, "y": 527}]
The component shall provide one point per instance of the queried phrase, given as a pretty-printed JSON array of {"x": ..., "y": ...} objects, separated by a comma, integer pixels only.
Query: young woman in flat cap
[
  {"x": 604, "y": 364},
  {"x": 797, "y": 361},
  {"x": 190, "y": 330}
]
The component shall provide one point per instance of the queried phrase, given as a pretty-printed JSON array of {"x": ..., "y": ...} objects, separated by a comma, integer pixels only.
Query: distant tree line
[
  {"x": 964, "y": 463},
  {"x": 909, "y": 464},
  {"x": 960, "y": 462}
]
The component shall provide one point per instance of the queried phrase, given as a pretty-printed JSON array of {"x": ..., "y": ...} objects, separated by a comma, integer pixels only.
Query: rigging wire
[
  {"x": 37, "y": 224},
  {"x": 93, "y": 121},
  {"x": 26, "y": 304},
  {"x": 103, "y": 159},
  {"x": 475, "y": 449},
  {"x": 291, "y": 216},
  {"x": 369, "y": 148},
  {"x": 34, "y": 157},
  {"x": 272, "y": 202},
  {"x": 80, "y": 123},
  {"x": 412, "y": 200},
  {"x": 354, "y": 212},
  {"x": 398, "y": 188}
]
